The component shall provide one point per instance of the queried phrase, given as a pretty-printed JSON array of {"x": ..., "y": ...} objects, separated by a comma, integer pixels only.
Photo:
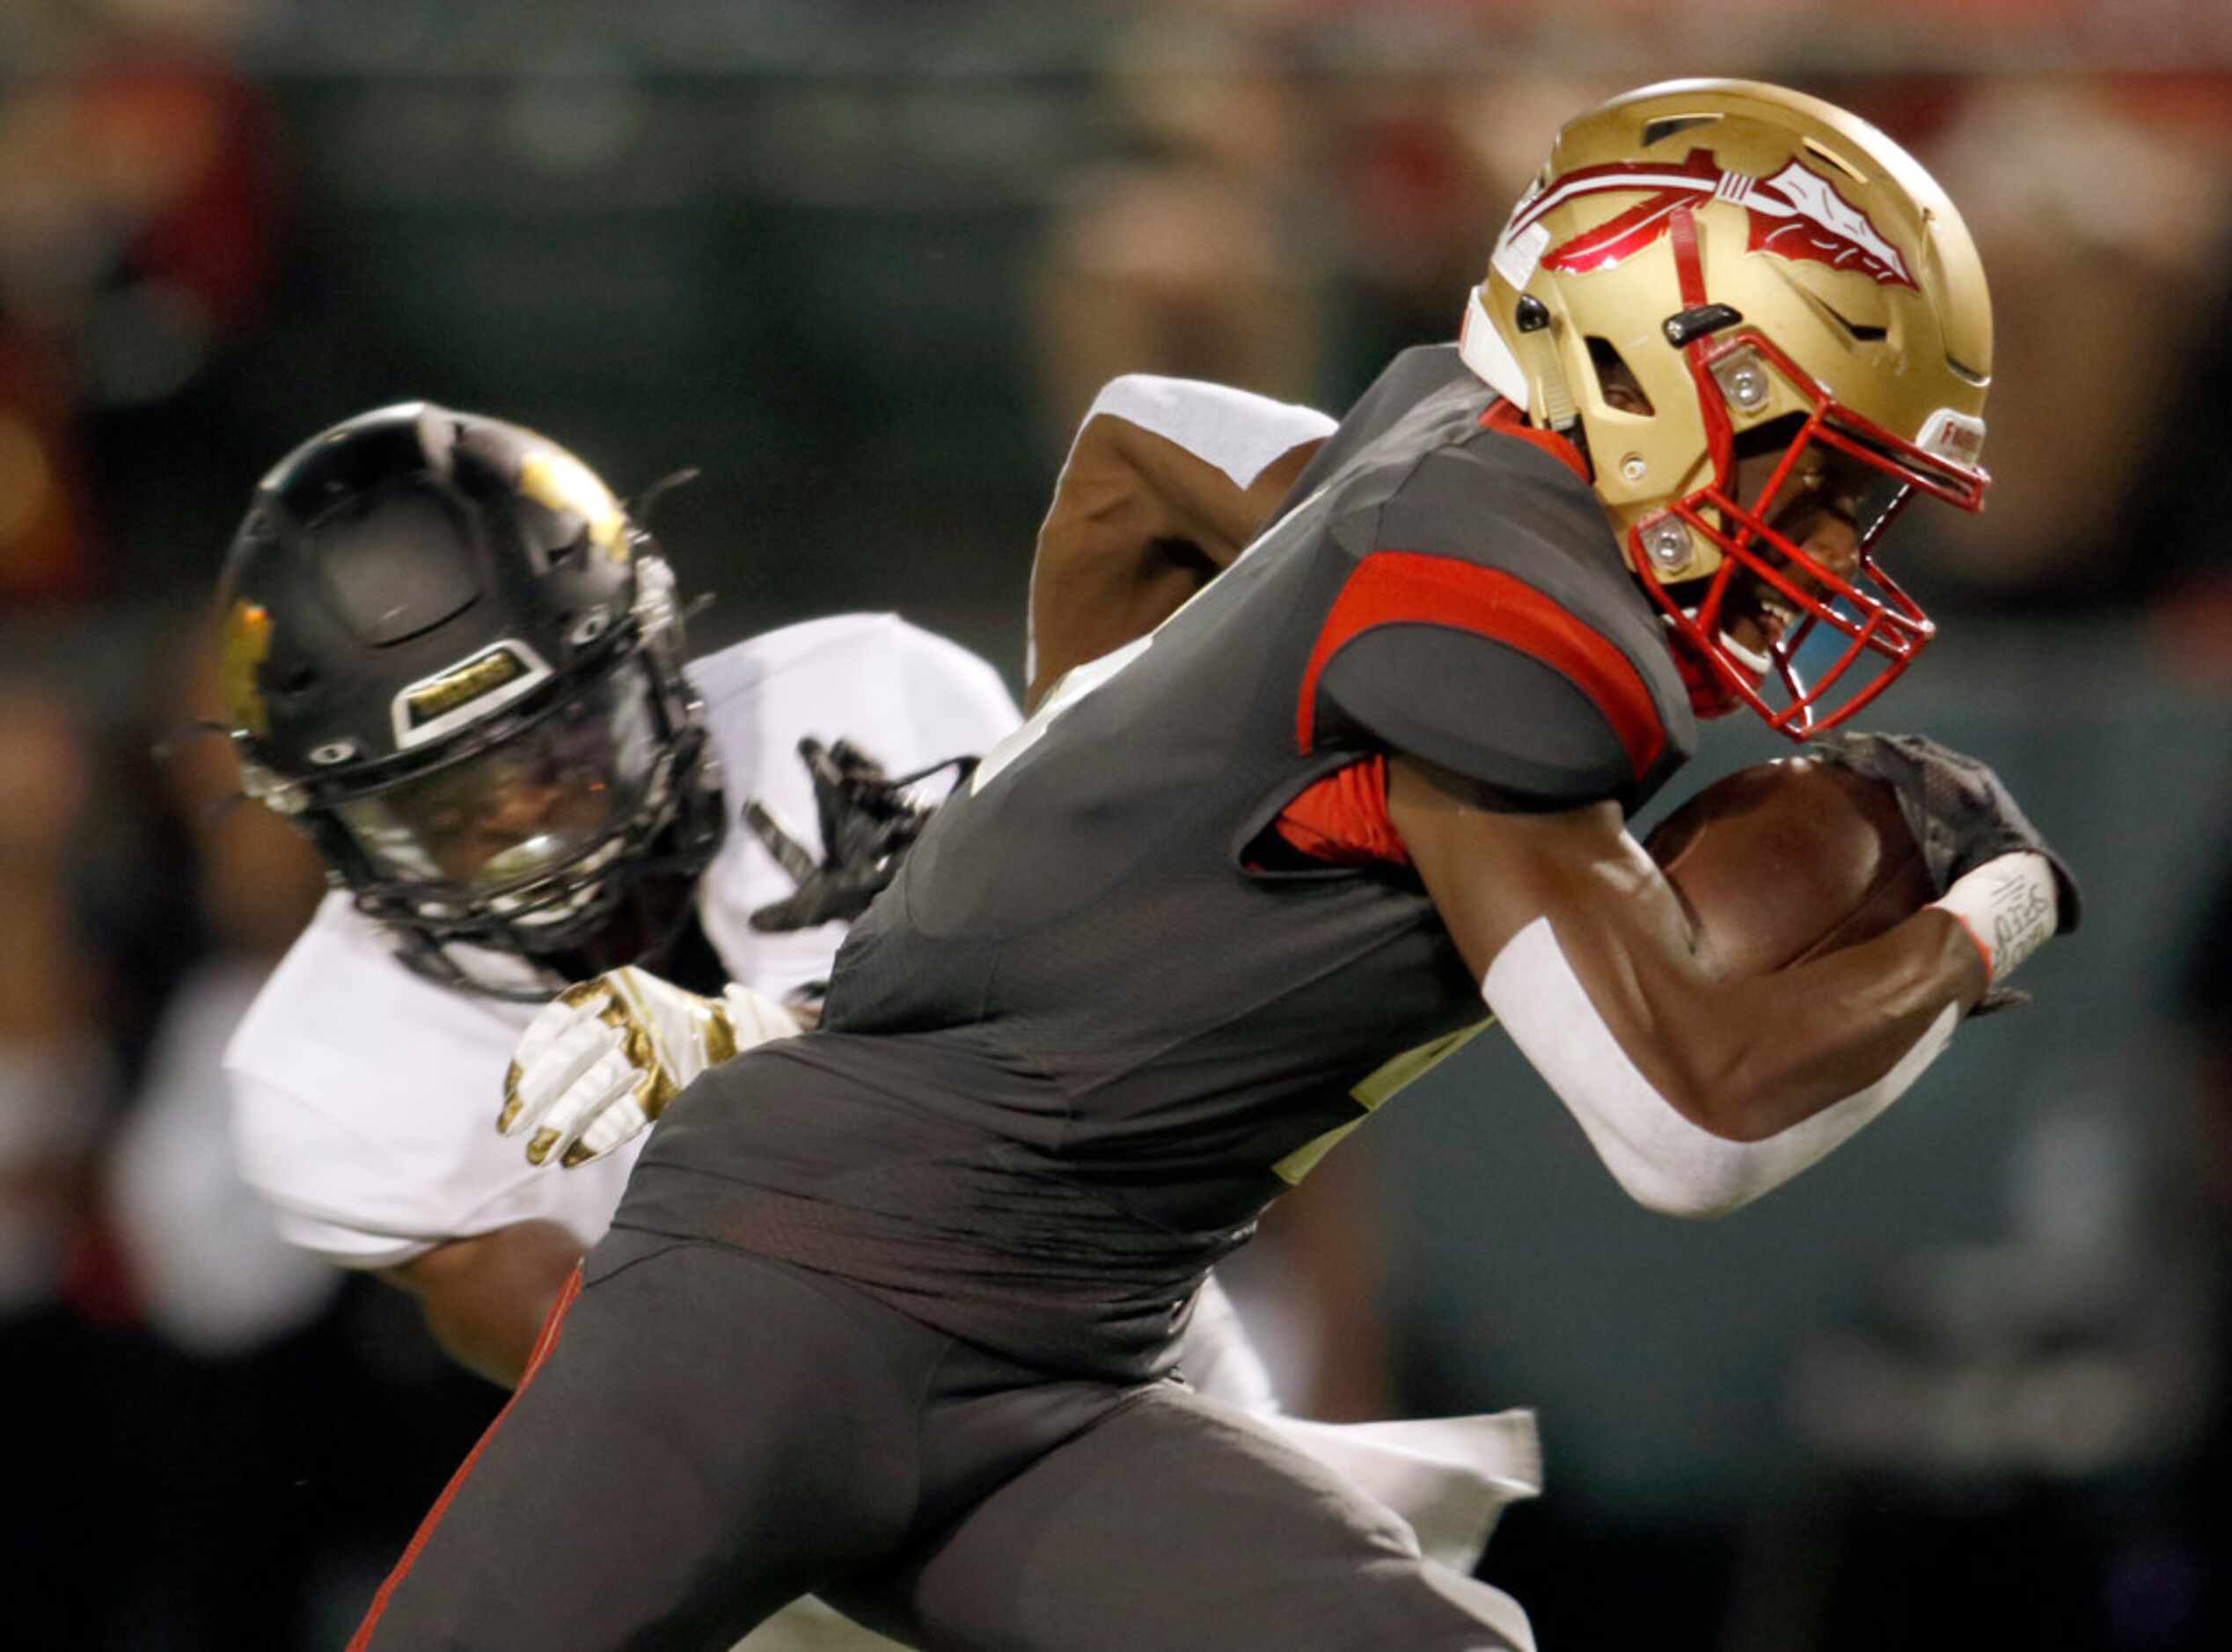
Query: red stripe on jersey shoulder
[
  {"x": 1506, "y": 419},
  {"x": 1413, "y": 587}
]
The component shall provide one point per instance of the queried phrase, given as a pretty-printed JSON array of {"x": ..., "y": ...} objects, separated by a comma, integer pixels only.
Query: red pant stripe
[{"x": 543, "y": 1343}]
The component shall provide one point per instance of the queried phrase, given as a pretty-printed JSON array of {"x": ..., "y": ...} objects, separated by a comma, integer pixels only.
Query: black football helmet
[{"x": 453, "y": 659}]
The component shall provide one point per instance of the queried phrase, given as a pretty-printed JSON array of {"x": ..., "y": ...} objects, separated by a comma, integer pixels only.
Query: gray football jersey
[{"x": 1092, "y": 1029}]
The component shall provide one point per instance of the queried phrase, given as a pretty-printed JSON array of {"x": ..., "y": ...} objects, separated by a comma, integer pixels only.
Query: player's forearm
[
  {"x": 1774, "y": 1050},
  {"x": 1686, "y": 1093},
  {"x": 1700, "y": 1091},
  {"x": 1167, "y": 458},
  {"x": 1743, "y": 1057},
  {"x": 486, "y": 1297},
  {"x": 1568, "y": 919},
  {"x": 1110, "y": 568},
  {"x": 1136, "y": 527}
]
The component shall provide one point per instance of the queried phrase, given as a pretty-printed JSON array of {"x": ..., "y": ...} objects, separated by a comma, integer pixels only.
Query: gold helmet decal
[
  {"x": 465, "y": 692},
  {"x": 1796, "y": 214},
  {"x": 244, "y": 643},
  {"x": 556, "y": 481}
]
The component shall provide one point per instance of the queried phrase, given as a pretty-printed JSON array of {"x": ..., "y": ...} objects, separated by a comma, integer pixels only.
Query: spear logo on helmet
[{"x": 1796, "y": 214}]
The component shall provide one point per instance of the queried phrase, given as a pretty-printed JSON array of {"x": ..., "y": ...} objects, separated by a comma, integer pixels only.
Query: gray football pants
[{"x": 707, "y": 1435}]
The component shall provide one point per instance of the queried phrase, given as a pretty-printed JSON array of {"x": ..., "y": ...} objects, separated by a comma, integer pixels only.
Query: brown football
[{"x": 1791, "y": 859}]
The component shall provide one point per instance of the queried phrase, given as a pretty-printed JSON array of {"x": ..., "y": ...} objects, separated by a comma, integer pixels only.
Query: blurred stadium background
[{"x": 863, "y": 262}]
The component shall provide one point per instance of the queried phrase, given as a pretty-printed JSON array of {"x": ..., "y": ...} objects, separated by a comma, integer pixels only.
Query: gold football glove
[{"x": 603, "y": 1060}]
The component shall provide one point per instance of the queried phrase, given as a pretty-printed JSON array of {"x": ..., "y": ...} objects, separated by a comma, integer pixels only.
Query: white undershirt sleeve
[
  {"x": 1237, "y": 431},
  {"x": 1663, "y": 1161}
]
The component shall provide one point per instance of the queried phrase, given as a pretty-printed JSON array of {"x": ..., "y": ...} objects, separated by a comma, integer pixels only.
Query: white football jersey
[{"x": 365, "y": 1095}]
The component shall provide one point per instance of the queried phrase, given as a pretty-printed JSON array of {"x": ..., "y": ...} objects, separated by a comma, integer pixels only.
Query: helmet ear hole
[{"x": 1617, "y": 386}]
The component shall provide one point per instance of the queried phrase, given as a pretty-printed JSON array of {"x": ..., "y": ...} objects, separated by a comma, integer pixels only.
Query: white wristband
[{"x": 2009, "y": 906}]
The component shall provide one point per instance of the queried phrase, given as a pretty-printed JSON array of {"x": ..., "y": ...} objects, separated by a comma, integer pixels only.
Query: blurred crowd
[{"x": 872, "y": 299}]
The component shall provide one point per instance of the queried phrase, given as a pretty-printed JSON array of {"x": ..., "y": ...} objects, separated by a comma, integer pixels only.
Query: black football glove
[
  {"x": 1961, "y": 815},
  {"x": 867, "y": 822}
]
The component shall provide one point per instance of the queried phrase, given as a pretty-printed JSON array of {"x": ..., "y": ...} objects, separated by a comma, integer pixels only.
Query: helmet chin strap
[
  {"x": 1558, "y": 412},
  {"x": 1709, "y": 693},
  {"x": 1757, "y": 662}
]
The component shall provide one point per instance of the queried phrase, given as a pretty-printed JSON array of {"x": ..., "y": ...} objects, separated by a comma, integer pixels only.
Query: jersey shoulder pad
[
  {"x": 1487, "y": 623},
  {"x": 1415, "y": 376}
]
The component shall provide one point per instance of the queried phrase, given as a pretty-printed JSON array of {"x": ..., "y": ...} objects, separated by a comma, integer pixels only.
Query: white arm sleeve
[
  {"x": 1237, "y": 431},
  {"x": 1665, "y": 1162}
]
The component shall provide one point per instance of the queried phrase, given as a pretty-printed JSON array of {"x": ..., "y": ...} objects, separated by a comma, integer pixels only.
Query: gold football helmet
[{"x": 1756, "y": 314}]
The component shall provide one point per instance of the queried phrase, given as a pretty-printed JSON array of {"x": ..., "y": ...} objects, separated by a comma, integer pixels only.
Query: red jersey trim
[
  {"x": 1413, "y": 587},
  {"x": 1505, "y": 419},
  {"x": 1342, "y": 818}
]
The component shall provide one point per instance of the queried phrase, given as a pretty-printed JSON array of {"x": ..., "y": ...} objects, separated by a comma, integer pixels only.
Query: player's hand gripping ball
[
  {"x": 1786, "y": 861},
  {"x": 604, "y": 1058}
]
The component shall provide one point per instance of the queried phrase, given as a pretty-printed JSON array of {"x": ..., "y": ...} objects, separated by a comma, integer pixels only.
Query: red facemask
[{"x": 1875, "y": 629}]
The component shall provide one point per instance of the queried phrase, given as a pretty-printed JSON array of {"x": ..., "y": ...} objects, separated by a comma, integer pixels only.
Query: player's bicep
[
  {"x": 1572, "y": 930},
  {"x": 1494, "y": 864}
]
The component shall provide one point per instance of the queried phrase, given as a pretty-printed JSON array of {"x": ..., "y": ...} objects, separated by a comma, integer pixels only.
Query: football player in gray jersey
[
  {"x": 455, "y": 661},
  {"x": 1233, "y": 884}
]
